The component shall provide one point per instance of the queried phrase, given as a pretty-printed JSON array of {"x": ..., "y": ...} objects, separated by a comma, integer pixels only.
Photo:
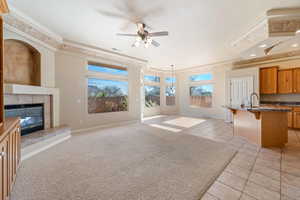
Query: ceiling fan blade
[
  {"x": 111, "y": 14},
  {"x": 125, "y": 34},
  {"x": 154, "y": 43},
  {"x": 158, "y": 34}
]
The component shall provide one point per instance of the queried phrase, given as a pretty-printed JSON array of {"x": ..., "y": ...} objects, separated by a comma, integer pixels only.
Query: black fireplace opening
[{"x": 32, "y": 116}]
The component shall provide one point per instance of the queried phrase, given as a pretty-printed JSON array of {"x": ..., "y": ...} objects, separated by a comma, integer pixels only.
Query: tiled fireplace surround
[{"x": 17, "y": 99}]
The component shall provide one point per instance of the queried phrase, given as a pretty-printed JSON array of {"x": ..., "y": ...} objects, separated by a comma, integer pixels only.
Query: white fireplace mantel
[{"x": 16, "y": 89}]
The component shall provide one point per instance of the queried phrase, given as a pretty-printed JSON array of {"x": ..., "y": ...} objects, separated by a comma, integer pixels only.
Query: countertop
[
  {"x": 281, "y": 103},
  {"x": 264, "y": 108}
]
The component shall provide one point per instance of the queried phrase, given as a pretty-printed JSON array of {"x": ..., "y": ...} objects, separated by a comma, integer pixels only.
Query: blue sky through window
[
  {"x": 201, "y": 77},
  {"x": 152, "y": 78},
  {"x": 107, "y": 70},
  {"x": 170, "y": 80},
  {"x": 101, "y": 83}
]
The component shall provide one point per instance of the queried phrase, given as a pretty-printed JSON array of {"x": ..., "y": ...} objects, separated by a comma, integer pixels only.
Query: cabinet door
[
  {"x": 290, "y": 119},
  {"x": 285, "y": 81},
  {"x": 296, "y": 82},
  {"x": 3, "y": 170},
  {"x": 268, "y": 80},
  {"x": 296, "y": 120}
]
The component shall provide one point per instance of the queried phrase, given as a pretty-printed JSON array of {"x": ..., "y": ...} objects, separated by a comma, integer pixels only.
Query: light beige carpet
[{"x": 134, "y": 162}]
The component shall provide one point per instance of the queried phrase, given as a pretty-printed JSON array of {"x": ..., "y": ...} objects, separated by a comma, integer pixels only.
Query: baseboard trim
[
  {"x": 110, "y": 125},
  {"x": 30, "y": 151}
]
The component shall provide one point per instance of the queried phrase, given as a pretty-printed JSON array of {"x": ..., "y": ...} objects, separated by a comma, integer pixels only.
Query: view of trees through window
[
  {"x": 170, "y": 95},
  {"x": 107, "y": 95},
  {"x": 152, "y": 96},
  {"x": 201, "y": 95}
]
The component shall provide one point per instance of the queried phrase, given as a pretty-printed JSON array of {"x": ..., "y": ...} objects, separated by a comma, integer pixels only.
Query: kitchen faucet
[{"x": 251, "y": 98}]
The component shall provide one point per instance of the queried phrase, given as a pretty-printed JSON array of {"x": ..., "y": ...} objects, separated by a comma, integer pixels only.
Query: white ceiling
[{"x": 201, "y": 31}]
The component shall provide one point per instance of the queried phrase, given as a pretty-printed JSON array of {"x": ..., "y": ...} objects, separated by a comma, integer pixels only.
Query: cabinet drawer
[{"x": 296, "y": 109}]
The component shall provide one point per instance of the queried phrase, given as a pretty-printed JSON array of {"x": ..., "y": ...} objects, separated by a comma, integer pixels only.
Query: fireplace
[{"x": 32, "y": 116}]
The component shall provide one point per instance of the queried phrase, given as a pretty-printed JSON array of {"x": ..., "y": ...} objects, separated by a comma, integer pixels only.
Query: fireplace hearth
[{"x": 32, "y": 116}]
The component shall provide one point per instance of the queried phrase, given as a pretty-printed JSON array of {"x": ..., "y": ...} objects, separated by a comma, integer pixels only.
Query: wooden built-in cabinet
[
  {"x": 296, "y": 80},
  {"x": 10, "y": 149},
  {"x": 296, "y": 117},
  {"x": 10, "y": 136},
  {"x": 285, "y": 81},
  {"x": 290, "y": 119},
  {"x": 268, "y": 80}
]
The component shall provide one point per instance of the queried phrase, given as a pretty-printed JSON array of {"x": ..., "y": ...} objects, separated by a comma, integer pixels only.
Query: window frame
[
  {"x": 152, "y": 83},
  {"x": 106, "y": 76},
  {"x": 201, "y": 83},
  {"x": 167, "y": 84}
]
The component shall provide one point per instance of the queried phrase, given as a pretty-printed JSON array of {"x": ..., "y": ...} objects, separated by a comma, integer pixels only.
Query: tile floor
[{"x": 254, "y": 173}]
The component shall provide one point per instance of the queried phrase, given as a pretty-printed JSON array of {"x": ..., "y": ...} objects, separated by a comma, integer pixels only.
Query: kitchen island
[{"x": 266, "y": 126}]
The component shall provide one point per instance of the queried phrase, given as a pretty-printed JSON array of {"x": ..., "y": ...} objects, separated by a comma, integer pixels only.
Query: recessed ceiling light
[
  {"x": 298, "y": 31},
  {"x": 263, "y": 46},
  {"x": 295, "y": 45},
  {"x": 253, "y": 55}
]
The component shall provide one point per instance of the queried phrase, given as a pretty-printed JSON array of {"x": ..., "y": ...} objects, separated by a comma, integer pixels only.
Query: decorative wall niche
[{"x": 22, "y": 63}]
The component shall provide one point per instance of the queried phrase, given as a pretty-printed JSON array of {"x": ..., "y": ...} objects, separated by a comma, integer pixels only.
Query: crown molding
[
  {"x": 88, "y": 50},
  {"x": 34, "y": 24},
  {"x": 25, "y": 27},
  {"x": 208, "y": 66},
  {"x": 268, "y": 59}
]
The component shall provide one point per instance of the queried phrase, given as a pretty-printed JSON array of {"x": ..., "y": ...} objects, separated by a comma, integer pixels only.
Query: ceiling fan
[
  {"x": 268, "y": 50},
  {"x": 143, "y": 36}
]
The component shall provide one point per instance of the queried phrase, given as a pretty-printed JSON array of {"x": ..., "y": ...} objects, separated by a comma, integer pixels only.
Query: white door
[{"x": 240, "y": 90}]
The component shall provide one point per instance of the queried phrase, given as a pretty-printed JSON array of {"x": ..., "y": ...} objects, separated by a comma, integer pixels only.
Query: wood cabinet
[
  {"x": 1, "y": 72},
  {"x": 268, "y": 80},
  {"x": 296, "y": 80},
  {"x": 290, "y": 119},
  {"x": 9, "y": 155},
  {"x": 285, "y": 81},
  {"x": 296, "y": 117}
]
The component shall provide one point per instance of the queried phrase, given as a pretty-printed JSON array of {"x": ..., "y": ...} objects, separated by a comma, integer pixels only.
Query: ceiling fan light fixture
[
  {"x": 138, "y": 39},
  {"x": 136, "y": 44},
  {"x": 147, "y": 45}
]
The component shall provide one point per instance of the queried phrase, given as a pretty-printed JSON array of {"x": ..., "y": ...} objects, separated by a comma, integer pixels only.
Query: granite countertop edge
[{"x": 260, "y": 108}]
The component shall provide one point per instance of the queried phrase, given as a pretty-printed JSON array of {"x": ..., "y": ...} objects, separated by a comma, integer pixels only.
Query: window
[
  {"x": 107, "y": 95},
  {"x": 201, "y": 77},
  {"x": 152, "y": 96},
  {"x": 107, "y": 88},
  {"x": 170, "y": 80},
  {"x": 201, "y": 95},
  {"x": 170, "y": 95},
  {"x": 113, "y": 70},
  {"x": 149, "y": 78}
]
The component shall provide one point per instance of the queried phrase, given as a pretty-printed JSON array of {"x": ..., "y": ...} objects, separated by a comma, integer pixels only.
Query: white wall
[
  {"x": 219, "y": 94},
  {"x": 71, "y": 78}
]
